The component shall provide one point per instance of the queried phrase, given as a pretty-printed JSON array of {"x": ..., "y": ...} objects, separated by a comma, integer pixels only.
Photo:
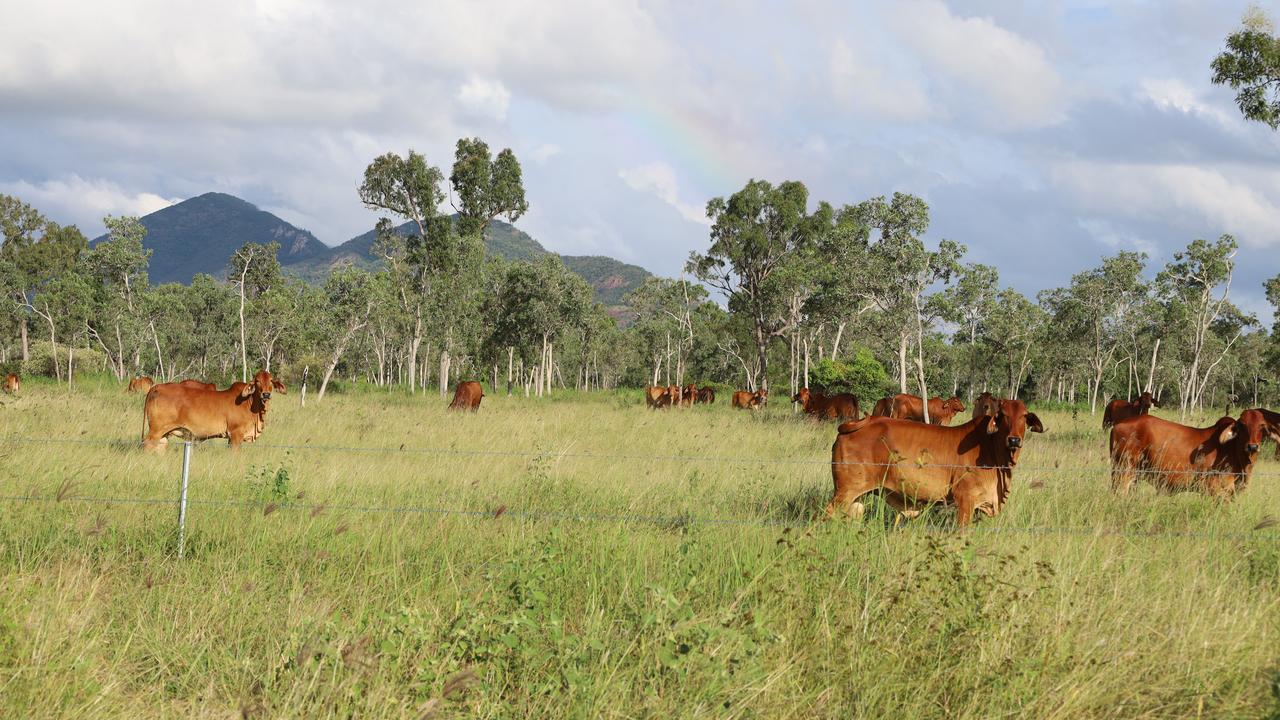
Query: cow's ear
[
  {"x": 992, "y": 426},
  {"x": 1228, "y": 434},
  {"x": 1034, "y": 424},
  {"x": 247, "y": 390},
  {"x": 279, "y": 386}
]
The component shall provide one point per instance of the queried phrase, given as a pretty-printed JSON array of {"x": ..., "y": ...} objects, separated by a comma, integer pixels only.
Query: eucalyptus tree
[
  {"x": 538, "y": 302},
  {"x": 35, "y": 251},
  {"x": 1013, "y": 327},
  {"x": 897, "y": 270},
  {"x": 1096, "y": 308},
  {"x": 969, "y": 303},
  {"x": 255, "y": 268},
  {"x": 118, "y": 265},
  {"x": 409, "y": 188},
  {"x": 663, "y": 324},
  {"x": 1250, "y": 65},
  {"x": 756, "y": 235},
  {"x": 348, "y": 294},
  {"x": 1196, "y": 287},
  {"x": 485, "y": 187}
]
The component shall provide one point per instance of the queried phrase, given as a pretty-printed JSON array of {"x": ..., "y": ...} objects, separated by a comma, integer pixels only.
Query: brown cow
[
  {"x": 883, "y": 407},
  {"x": 1216, "y": 460},
  {"x": 1118, "y": 409},
  {"x": 689, "y": 395},
  {"x": 467, "y": 396},
  {"x": 909, "y": 407},
  {"x": 11, "y": 383},
  {"x": 913, "y": 465},
  {"x": 237, "y": 413},
  {"x": 744, "y": 400},
  {"x": 834, "y": 407},
  {"x": 140, "y": 384},
  {"x": 986, "y": 404},
  {"x": 654, "y": 396},
  {"x": 706, "y": 396}
]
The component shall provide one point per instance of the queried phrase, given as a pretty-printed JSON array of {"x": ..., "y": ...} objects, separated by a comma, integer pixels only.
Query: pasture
[{"x": 599, "y": 559}]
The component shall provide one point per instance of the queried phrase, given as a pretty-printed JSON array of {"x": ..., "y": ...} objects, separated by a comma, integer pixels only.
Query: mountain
[
  {"x": 200, "y": 235},
  {"x": 611, "y": 279}
]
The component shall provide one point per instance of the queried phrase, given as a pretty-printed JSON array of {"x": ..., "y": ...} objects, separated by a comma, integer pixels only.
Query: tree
[
  {"x": 254, "y": 269},
  {"x": 409, "y": 188},
  {"x": 35, "y": 251},
  {"x": 349, "y": 295},
  {"x": 486, "y": 187},
  {"x": 119, "y": 267},
  {"x": 664, "y": 322},
  {"x": 1013, "y": 328},
  {"x": 755, "y": 234},
  {"x": 968, "y": 303},
  {"x": 1189, "y": 285},
  {"x": 896, "y": 271},
  {"x": 1251, "y": 66}
]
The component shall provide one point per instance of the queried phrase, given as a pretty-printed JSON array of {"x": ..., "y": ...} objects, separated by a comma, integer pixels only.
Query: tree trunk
[
  {"x": 26, "y": 343},
  {"x": 902, "y": 362},
  {"x": 510, "y": 360},
  {"x": 446, "y": 362},
  {"x": 1151, "y": 376},
  {"x": 336, "y": 357}
]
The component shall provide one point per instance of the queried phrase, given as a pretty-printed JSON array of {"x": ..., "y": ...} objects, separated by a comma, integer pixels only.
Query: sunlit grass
[{"x": 585, "y": 556}]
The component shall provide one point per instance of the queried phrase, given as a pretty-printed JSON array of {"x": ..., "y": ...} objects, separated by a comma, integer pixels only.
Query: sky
[{"x": 1044, "y": 135}]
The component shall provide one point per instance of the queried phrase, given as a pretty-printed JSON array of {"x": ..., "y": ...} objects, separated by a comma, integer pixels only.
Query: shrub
[
  {"x": 41, "y": 363},
  {"x": 861, "y": 375}
]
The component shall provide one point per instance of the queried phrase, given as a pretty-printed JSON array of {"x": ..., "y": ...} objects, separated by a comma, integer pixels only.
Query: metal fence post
[{"x": 182, "y": 498}]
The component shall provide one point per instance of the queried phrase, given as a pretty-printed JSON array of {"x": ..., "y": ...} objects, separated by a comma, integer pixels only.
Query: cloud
[
  {"x": 85, "y": 202},
  {"x": 659, "y": 179},
  {"x": 544, "y": 152},
  {"x": 1015, "y": 84},
  {"x": 1203, "y": 200},
  {"x": 1174, "y": 94},
  {"x": 862, "y": 85},
  {"x": 1115, "y": 238},
  {"x": 484, "y": 98}
]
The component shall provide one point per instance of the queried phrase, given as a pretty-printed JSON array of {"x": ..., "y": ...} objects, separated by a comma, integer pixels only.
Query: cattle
[
  {"x": 909, "y": 407},
  {"x": 986, "y": 404},
  {"x": 196, "y": 384},
  {"x": 706, "y": 396},
  {"x": 673, "y": 395},
  {"x": 1118, "y": 409},
  {"x": 656, "y": 397},
  {"x": 11, "y": 383},
  {"x": 1216, "y": 460},
  {"x": 744, "y": 400},
  {"x": 140, "y": 384},
  {"x": 689, "y": 395},
  {"x": 237, "y": 413},
  {"x": 467, "y": 396},
  {"x": 883, "y": 407},
  {"x": 914, "y": 465},
  {"x": 843, "y": 406}
]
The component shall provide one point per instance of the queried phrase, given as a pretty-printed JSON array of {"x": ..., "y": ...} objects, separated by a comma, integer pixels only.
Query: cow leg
[
  {"x": 1122, "y": 474},
  {"x": 155, "y": 445},
  {"x": 844, "y": 501}
]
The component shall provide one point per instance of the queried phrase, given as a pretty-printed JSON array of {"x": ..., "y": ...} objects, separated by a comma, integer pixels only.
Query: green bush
[
  {"x": 85, "y": 362},
  {"x": 861, "y": 375}
]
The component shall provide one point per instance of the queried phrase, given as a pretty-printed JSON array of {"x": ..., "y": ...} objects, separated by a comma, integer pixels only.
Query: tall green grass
[{"x": 586, "y": 584}]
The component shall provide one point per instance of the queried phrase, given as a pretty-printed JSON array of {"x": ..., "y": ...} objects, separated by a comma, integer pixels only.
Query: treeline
[{"x": 847, "y": 299}]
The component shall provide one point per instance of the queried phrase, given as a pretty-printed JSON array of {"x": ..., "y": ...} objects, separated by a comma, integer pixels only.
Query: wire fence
[{"x": 63, "y": 494}]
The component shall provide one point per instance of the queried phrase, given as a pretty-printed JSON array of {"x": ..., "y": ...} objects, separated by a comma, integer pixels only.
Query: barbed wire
[
  {"x": 726, "y": 459},
  {"x": 669, "y": 522}
]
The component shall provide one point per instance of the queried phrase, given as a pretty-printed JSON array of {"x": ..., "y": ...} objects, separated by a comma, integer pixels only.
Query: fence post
[{"x": 182, "y": 498}]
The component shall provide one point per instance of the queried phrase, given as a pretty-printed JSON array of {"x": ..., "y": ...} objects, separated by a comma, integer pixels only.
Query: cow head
[
  {"x": 986, "y": 404},
  {"x": 801, "y": 397},
  {"x": 954, "y": 404},
  {"x": 259, "y": 391},
  {"x": 1146, "y": 401},
  {"x": 1009, "y": 426}
]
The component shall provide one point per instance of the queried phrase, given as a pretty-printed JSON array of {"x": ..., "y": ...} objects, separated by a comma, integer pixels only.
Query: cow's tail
[{"x": 146, "y": 405}]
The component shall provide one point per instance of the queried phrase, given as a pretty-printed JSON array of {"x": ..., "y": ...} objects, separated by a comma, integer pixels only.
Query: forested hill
[
  {"x": 200, "y": 235},
  {"x": 612, "y": 279}
]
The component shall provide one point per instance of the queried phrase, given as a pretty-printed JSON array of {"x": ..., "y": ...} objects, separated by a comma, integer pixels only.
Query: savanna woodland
[{"x": 567, "y": 552}]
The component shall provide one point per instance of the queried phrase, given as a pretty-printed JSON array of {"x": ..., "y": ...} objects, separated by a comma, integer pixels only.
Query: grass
[{"x": 584, "y": 584}]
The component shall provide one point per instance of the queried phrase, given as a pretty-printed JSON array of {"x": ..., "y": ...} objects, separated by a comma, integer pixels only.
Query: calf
[
  {"x": 1118, "y": 409},
  {"x": 910, "y": 407},
  {"x": 237, "y": 413}
]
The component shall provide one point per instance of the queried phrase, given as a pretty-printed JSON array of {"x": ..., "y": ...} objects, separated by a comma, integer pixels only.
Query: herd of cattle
[{"x": 910, "y": 463}]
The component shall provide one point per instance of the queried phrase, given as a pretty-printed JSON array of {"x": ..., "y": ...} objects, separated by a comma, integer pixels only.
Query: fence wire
[{"x": 719, "y": 459}]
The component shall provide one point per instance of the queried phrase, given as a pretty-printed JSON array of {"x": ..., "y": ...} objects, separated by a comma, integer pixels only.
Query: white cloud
[
  {"x": 1016, "y": 84},
  {"x": 544, "y": 152},
  {"x": 861, "y": 84},
  {"x": 659, "y": 179},
  {"x": 1174, "y": 94},
  {"x": 1108, "y": 234},
  {"x": 75, "y": 200},
  {"x": 1186, "y": 195},
  {"x": 485, "y": 98}
]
